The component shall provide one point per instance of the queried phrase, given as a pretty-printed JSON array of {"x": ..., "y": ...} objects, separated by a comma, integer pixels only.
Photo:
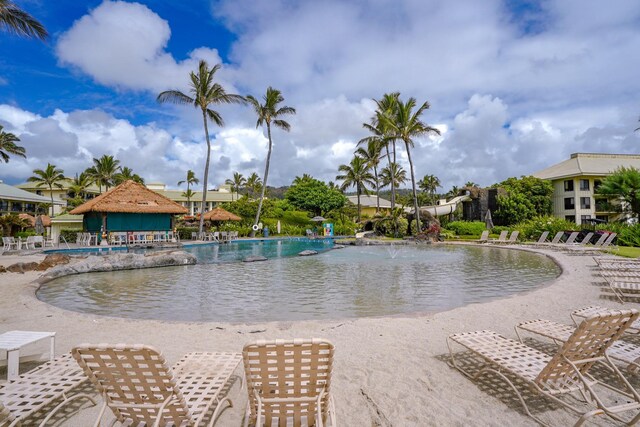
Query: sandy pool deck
[{"x": 388, "y": 371}]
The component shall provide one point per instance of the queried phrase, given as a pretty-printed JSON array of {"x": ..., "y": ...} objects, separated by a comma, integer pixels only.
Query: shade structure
[
  {"x": 318, "y": 219},
  {"x": 219, "y": 214},
  {"x": 487, "y": 220},
  {"x": 39, "y": 225}
]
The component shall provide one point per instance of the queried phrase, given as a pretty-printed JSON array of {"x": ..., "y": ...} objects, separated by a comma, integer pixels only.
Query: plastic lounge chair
[
  {"x": 564, "y": 373},
  {"x": 139, "y": 387},
  {"x": 484, "y": 237},
  {"x": 513, "y": 238},
  {"x": 555, "y": 240},
  {"x": 289, "y": 379},
  {"x": 38, "y": 389},
  {"x": 623, "y": 352},
  {"x": 9, "y": 243},
  {"x": 502, "y": 238},
  {"x": 543, "y": 238},
  {"x": 572, "y": 238}
]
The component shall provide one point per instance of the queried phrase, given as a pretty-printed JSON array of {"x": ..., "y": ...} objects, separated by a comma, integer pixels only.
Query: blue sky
[{"x": 514, "y": 85}]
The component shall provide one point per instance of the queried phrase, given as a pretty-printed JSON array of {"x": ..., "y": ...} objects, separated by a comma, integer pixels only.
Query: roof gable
[{"x": 585, "y": 164}]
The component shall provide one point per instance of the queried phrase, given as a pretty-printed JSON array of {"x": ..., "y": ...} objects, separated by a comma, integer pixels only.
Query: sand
[{"x": 388, "y": 371}]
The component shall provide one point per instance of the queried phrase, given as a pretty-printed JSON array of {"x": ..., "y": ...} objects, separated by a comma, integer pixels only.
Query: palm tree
[
  {"x": 16, "y": 21},
  {"x": 8, "y": 145},
  {"x": 381, "y": 132},
  {"x": 300, "y": 179},
  {"x": 126, "y": 174},
  {"x": 79, "y": 185},
  {"x": 356, "y": 174},
  {"x": 429, "y": 184},
  {"x": 189, "y": 194},
  {"x": 104, "y": 171},
  {"x": 371, "y": 155},
  {"x": 254, "y": 184},
  {"x": 269, "y": 113},
  {"x": 51, "y": 177},
  {"x": 204, "y": 93},
  {"x": 393, "y": 175},
  {"x": 453, "y": 192},
  {"x": 237, "y": 182},
  {"x": 405, "y": 125}
]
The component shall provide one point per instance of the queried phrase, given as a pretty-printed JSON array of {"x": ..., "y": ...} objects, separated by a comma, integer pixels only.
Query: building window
[
  {"x": 4, "y": 205},
  {"x": 568, "y": 203},
  {"x": 570, "y": 218},
  {"x": 584, "y": 218},
  {"x": 585, "y": 202},
  {"x": 596, "y": 184},
  {"x": 584, "y": 185},
  {"x": 568, "y": 185}
]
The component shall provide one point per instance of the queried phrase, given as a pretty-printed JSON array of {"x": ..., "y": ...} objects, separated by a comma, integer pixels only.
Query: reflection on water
[{"x": 351, "y": 282}]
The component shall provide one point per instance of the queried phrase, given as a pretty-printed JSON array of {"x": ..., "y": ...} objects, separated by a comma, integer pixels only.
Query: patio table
[{"x": 13, "y": 341}]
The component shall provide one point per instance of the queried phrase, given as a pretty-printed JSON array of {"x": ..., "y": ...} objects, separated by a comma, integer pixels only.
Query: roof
[
  {"x": 370, "y": 201},
  {"x": 8, "y": 192},
  {"x": 219, "y": 214},
  {"x": 594, "y": 164},
  {"x": 46, "y": 221},
  {"x": 130, "y": 197},
  {"x": 212, "y": 195},
  {"x": 66, "y": 185}
]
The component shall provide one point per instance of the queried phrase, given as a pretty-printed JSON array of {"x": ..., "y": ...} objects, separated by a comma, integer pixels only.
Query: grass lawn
[{"x": 626, "y": 251}]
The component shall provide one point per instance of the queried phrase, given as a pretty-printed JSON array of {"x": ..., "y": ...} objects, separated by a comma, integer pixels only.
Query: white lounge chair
[
  {"x": 139, "y": 387},
  {"x": 566, "y": 372},
  {"x": 484, "y": 237},
  {"x": 502, "y": 238},
  {"x": 9, "y": 243}
]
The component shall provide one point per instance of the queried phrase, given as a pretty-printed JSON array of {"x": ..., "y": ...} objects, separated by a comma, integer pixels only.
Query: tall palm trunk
[
  {"x": 359, "y": 205},
  {"x": 206, "y": 172},
  {"x": 413, "y": 184},
  {"x": 51, "y": 193},
  {"x": 264, "y": 181},
  {"x": 375, "y": 174}
]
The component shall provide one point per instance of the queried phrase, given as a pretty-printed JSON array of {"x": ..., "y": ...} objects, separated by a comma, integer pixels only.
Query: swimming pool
[{"x": 345, "y": 283}]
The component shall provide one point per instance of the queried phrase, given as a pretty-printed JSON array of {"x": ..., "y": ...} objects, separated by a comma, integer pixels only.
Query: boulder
[
  {"x": 254, "y": 258},
  {"x": 308, "y": 252},
  {"x": 21, "y": 267},
  {"x": 52, "y": 260}
]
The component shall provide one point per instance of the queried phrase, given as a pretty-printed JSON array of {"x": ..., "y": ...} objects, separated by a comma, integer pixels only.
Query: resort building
[
  {"x": 16, "y": 200},
  {"x": 60, "y": 195},
  {"x": 194, "y": 204},
  {"x": 576, "y": 180},
  {"x": 369, "y": 204}
]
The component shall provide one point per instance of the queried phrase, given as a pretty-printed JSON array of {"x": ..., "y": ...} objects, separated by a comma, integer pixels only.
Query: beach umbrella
[
  {"x": 487, "y": 220},
  {"x": 318, "y": 219},
  {"x": 39, "y": 225},
  {"x": 278, "y": 226}
]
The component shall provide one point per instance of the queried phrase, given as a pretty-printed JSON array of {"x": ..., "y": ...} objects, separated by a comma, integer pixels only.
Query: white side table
[{"x": 13, "y": 341}]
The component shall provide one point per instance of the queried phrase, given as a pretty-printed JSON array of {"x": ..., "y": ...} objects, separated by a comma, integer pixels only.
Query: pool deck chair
[
  {"x": 141, "y": 389},
  {"x": 34, "y": 392},
  {"x": 555, "y": 240},
  {"x": 513, "y": 238},
  {"x": 566, "y": 372},
  {"x": 484, "y": 237},
  {"x": 289, "y": 380},
  {"x": 585, "y": 312},
  {"x": 542, "y": 239},
  {"x": 502, "y": 238},
  {"x": 623, "y": 352},
  {"x": 572, "y": 238}
]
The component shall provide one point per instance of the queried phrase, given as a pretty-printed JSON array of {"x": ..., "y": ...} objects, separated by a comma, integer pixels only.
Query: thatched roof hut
[
  {"x": 129, "y": 207},
  {"x": 220, "y": 214}
]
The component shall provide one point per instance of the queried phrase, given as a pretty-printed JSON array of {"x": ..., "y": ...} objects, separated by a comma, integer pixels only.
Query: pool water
[{"x": 335, "y": 284}]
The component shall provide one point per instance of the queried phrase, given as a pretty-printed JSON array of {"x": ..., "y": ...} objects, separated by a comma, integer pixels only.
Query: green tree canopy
[
  {"x": 8, "y": 145},
  {"x": 526, "y": 197},
  {"x": 625, "y": 184},
  {"x": 315, "y": 196}
]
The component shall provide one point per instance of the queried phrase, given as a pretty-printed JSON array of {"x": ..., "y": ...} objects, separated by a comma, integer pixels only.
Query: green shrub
[
  {"x": 532, "y": 229},
  {"x": 386, "y": 225},
  {"x": 629, "y": 235},
  {"x": 467, "y": 228},
  {"x": 25, "y": 234},
  {"x": 69, "y": 234},
  {"x": 185, "y": 232}
]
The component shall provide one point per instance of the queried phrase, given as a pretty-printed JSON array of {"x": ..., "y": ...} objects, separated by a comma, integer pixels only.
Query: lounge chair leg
[
  {"x": 588, "y": 415},
  {"x": 219, "y": 409},
  {"x": 63, "y": 403}
]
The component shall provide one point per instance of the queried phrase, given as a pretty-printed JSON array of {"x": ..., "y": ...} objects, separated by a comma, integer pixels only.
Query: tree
[
  {"x": 405, "y": 124},
  {"x": 204, "y": 93},
  {"x": 429, "y": 184},
  {"x": 8, "y": 145},
  {"x": 393, "y": 175},
  {"x": 315, "y": 196},
  {"x": 625, "y": 184},
  {"x": 269, "y": 113},
  {"x": 79, "y": 185},
  {"x": 50, "y": 177},
  {"x": 371, "y": 156},
  {"x": 356, "y": 174},
  {"x": 16, "y": 21},
  {"x": 104, "y": 171},
  {"x": 191, "y": 180},
  {"x": 126, "y": 174},
  {"x": 525, "y": 198},
  {"x": 254, "y": 184},
  {"x": 237, "y": 183}
]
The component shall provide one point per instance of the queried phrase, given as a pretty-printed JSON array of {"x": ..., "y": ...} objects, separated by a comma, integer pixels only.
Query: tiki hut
[
  {"x": 129, "y": 207},
  {"x": 219, "y": 214}
]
